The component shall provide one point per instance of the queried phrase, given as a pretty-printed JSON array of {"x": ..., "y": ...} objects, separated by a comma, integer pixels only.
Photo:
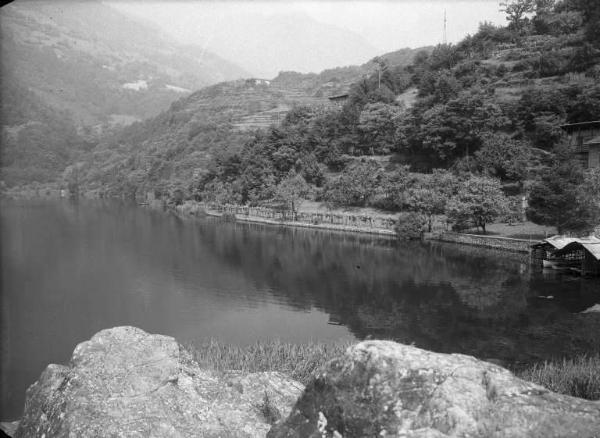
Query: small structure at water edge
[{"x": 578, "y": 255}]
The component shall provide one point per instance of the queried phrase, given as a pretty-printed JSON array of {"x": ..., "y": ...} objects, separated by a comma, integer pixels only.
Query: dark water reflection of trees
[
  {"x": 441, "y": 297},
  {"x": 106, "y": 264}
]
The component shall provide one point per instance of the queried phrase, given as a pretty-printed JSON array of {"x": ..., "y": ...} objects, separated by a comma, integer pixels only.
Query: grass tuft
[
  {"x": 299, "y": 361},
  {"x": 579, "y": 377}
]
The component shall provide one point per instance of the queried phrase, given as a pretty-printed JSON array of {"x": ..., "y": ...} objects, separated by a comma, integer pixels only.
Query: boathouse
[
  {"x": 588, "y": 253},
  {"x": 584, "y": 137},
  {"x": 580, "y": 255}
]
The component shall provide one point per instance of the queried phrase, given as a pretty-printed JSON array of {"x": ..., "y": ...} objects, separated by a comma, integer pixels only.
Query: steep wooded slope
[{"x": 101, "y": 66}]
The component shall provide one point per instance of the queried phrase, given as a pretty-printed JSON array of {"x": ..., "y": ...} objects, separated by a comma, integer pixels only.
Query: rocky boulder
[
  {"x": 385, "y": 389},
  {"x": 125, "y": 382}
]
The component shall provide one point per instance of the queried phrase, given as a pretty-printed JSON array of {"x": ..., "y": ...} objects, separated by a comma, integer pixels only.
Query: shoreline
[
  {"x": 330, "y": 227},
  {"x": 196, "y": 209},
  {"x": 506, "y": 244}
]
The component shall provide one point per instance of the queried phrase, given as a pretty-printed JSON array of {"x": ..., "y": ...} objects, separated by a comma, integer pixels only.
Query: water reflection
[
  {"x": 69, "y": 270},
  {"x": 441, "y": 297}
]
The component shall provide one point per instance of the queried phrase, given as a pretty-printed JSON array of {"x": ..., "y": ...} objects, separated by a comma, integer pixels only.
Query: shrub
[
  {"x": 523, "y": 65},
  {"x": 228, "y": 217},
  {"x": 410, "y": 226}
]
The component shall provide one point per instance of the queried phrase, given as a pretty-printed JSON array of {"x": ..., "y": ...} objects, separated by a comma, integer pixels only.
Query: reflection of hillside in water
[
  {"x": 105, "y": 264},
  {"x": 441, "y": 297}
]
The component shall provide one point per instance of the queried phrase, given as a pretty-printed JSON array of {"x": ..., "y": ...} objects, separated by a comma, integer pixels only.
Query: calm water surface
[{"x": 71, "y": 269}]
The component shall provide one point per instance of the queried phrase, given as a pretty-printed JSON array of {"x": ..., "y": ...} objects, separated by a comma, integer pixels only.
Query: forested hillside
[
  {"x": 461, "y": 130},
  {"x": 485, "y": 127},
  {"x": 102, "y": 67},
  {"x": 174, "y": 150},
  {"x": 72, "y": 70},
  {"x": 38, "y": 141}
]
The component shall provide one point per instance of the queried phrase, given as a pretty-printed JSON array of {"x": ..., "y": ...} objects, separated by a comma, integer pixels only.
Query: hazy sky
[
  {"x": 265, "y": 37},
  {"x": 387, "y": 25}
]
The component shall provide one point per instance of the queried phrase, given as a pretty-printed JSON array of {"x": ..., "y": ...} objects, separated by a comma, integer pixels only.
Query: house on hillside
[
  {"x": 258, "y": 81},
  {"x": 339, "y": 99},
  {"x": 585, "y": 138}
]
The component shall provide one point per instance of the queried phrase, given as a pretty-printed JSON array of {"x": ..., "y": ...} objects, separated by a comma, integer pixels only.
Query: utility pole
[{"x": 445, "y": 35}]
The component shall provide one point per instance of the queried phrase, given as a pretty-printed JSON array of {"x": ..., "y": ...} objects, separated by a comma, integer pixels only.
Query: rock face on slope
[
  {"x": 125, "y": 382},
  {"x": 385, "y": 389}
]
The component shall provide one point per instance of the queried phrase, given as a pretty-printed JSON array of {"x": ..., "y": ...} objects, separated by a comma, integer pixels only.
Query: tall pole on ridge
[{"x": 445, "y": 36}]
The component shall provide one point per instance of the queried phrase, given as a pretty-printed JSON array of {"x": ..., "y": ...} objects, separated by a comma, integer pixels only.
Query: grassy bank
[
  {"x": 300, "y": 361},
  {"x": 579, "y": 377}
]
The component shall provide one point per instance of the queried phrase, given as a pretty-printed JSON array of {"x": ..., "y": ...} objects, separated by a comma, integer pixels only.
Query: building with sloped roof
[
  {"x": 584, "y": 137},
  {"x": 581, "y": 255},
  {"x": 339, "y": 99}
]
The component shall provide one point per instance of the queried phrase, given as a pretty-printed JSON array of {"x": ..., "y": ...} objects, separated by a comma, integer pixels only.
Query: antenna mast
[{"x": 445, "y": 36}]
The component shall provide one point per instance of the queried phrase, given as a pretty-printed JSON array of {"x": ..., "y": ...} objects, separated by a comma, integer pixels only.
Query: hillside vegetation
[
  {"x": 174, "y": 150},
  {"x": 74, "y": 70},
  {"x": 457, "y": 131},
  {"x": 97, "y": 64},
  {"x": 484, "y": 128},
  {"x": 38, "y": 141}
]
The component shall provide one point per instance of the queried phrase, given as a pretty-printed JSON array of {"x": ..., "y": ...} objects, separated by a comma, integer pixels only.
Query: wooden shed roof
[
  {"x": 570, "y": 127},
  {"x": 592, "y": 248},
  {"x": 339, "y": 96},
  {"x": 560, "y": 242}
]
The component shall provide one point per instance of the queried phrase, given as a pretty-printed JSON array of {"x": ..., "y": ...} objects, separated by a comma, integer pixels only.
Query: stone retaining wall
[
  {"x": 503, "y": 243},
  {"x": 349, "y": 222},
  {"x": 343, "y": 220}
]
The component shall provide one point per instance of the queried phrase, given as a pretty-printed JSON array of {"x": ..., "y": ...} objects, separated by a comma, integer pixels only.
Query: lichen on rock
[
  {"x": 382, "y": 388},
  {"x": 125, "y": 382}
]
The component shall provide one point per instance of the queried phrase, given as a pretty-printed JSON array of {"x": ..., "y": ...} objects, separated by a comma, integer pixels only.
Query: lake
[{"x": 70, "y": 269}]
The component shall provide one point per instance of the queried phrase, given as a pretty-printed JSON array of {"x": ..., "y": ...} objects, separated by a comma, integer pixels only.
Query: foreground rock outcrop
[
  {"x": 125, "y": 382},
  {"x": 385, "y": 389}
]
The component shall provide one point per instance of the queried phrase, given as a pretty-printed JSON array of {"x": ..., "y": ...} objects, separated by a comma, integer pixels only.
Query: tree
[
  {"x": 311, "y": 170},
  {"x": 222, "y": 193},
  {"x": 391, "y": 193},
  {"x": 591, "y": 19},
  {"x": 356, "y": 185},
  {"x": 559, "y": 198},
  {"x": 451, "y": 131},
  {"x": 503, "y": 157},
  {"x": 586, "y": 106},
  {"x": 430, "y": 195},
  {"x": 377, "y": 124},
  {"x": 479, "y": 201},
  {"x": 291, "y": 190},
  {"x": 516, "y": 10}
]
